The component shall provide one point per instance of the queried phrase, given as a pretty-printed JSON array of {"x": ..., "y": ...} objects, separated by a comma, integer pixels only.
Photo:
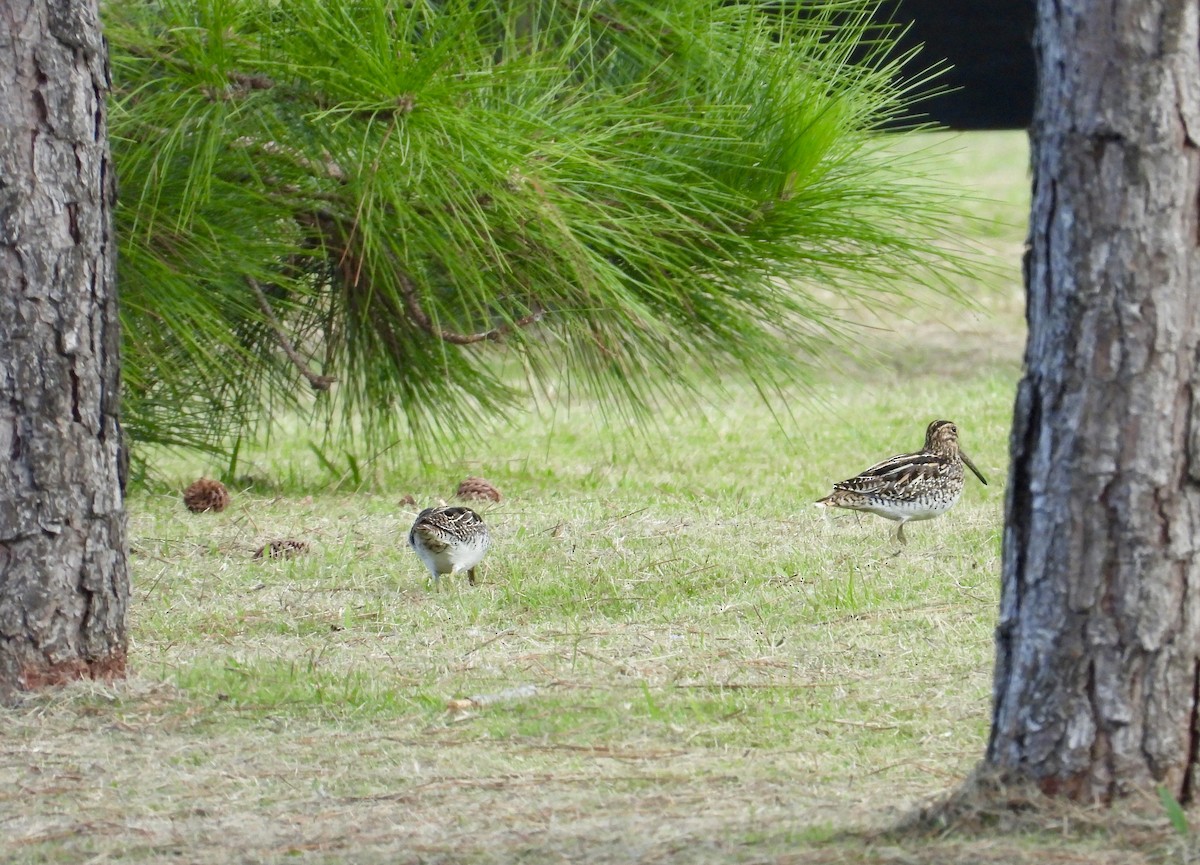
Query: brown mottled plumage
[
  {"x": 449, "y": 540},
  {"x": 916, "y": 486}
]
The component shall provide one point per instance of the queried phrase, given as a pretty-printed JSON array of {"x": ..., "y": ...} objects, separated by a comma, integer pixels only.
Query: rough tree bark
[
  {"x": 64, "y": 580},
  {"x": 1098, "y": 646}
]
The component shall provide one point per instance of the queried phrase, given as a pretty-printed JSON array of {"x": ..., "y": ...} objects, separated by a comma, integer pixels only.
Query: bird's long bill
[{"x": 966, "y": 459}]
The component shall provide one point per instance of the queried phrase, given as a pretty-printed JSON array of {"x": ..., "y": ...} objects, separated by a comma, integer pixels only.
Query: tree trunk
[
  {"x": 64, "y": 580},
  {"x": 1098, "y": 646}
]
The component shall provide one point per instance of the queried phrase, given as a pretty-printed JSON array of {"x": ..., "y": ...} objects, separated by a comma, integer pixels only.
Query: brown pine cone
[
  {"x": 206, "y": 495},
  {"x": 478, "y": 490},
  {"x": 284, "y": 549}
]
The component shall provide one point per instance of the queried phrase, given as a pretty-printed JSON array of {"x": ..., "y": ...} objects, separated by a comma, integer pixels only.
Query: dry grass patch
[
  {"x": 140, "y": 772},
  {"x": 686, "y": 701}
]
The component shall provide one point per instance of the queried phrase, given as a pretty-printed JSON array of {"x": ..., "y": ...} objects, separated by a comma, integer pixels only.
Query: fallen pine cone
[
  {"x": 284, "y": 549},
  {"x": 478, "y": 490},
  {"x": 206, "y": 495},
  {"x": 409, "y": 501}
]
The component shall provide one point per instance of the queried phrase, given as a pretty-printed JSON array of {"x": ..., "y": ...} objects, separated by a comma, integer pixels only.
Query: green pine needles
[{"x": 410, "y": 213}]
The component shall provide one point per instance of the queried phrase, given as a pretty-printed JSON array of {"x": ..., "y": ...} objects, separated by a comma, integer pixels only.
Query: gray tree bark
[
  {"x": 1098, "y": 646},
  {"x": 64, "y": 580}
]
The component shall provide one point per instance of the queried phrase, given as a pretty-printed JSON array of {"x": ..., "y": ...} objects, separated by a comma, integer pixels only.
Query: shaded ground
[{"x": 300, "y": 792}]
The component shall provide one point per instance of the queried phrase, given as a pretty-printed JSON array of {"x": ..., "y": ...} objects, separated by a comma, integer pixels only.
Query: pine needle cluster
[{"x": 371, "y": 207}]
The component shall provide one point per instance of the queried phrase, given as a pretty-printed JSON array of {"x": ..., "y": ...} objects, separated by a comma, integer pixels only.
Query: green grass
[{"x": 680, "y": 659}]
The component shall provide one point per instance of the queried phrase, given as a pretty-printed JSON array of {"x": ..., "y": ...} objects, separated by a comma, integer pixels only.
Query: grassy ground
[{"x": 671, "y": 657}]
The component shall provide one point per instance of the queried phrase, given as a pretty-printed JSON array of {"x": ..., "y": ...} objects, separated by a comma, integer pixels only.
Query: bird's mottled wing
[
  {"x": 898, "y": 473},
  {"x": 462, "y": 523},
  {"x": 441, "y": 526},
  {"x": 429, "y": 528},
  {"x": 430, "y": 537}
]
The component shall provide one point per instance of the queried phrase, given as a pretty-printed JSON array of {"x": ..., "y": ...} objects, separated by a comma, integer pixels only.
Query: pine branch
[
  {"x": 670, "y": 180},
  {"x": 417, "y": 313},
  {"x": 318, "y": 382}
]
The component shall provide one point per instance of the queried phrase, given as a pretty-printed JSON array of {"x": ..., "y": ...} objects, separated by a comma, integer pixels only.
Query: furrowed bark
[
  {"x": 64, "y": 581},
  {"x": 1098, "y": 645}
]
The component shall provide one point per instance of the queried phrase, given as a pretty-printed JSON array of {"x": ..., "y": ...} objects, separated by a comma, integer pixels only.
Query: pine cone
[
  {"x": 284, "y": 549},
  {"x": 408, "y": 501},
  {"x": 477, "y": 489},
  {"x": 206, "y": 495}
]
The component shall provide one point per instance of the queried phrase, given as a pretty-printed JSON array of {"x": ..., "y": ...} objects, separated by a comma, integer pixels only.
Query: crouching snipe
[
  {"x": 450, "y": 540},
  {"x": 916, "y": 486}
]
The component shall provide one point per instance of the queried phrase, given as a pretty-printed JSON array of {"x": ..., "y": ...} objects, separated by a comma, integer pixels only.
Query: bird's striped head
[{"x": 941, "y": 438}]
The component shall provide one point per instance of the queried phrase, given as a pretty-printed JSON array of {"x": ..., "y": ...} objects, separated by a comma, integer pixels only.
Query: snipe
[
  {"x": 916, "y": 486},
  {"x": 450, "y": 540}
]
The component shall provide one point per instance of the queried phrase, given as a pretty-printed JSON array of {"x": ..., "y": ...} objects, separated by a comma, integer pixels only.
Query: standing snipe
[
  {"x": 917, "y": 486},
  {"x": 450, "y": 540}
]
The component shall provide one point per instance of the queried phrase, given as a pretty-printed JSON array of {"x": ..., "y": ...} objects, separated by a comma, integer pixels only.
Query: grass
[{"x": 671, "y": 657}]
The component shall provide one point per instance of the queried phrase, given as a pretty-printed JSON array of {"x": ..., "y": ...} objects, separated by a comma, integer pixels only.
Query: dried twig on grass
[
  {"x": 478, "y": 701},
  {"x": 507, "y": 632}
]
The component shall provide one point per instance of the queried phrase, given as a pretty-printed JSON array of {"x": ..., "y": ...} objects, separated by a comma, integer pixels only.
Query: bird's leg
[
  {"x": 471, "y": 576},
  {"x": 900, "y": 533}
]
